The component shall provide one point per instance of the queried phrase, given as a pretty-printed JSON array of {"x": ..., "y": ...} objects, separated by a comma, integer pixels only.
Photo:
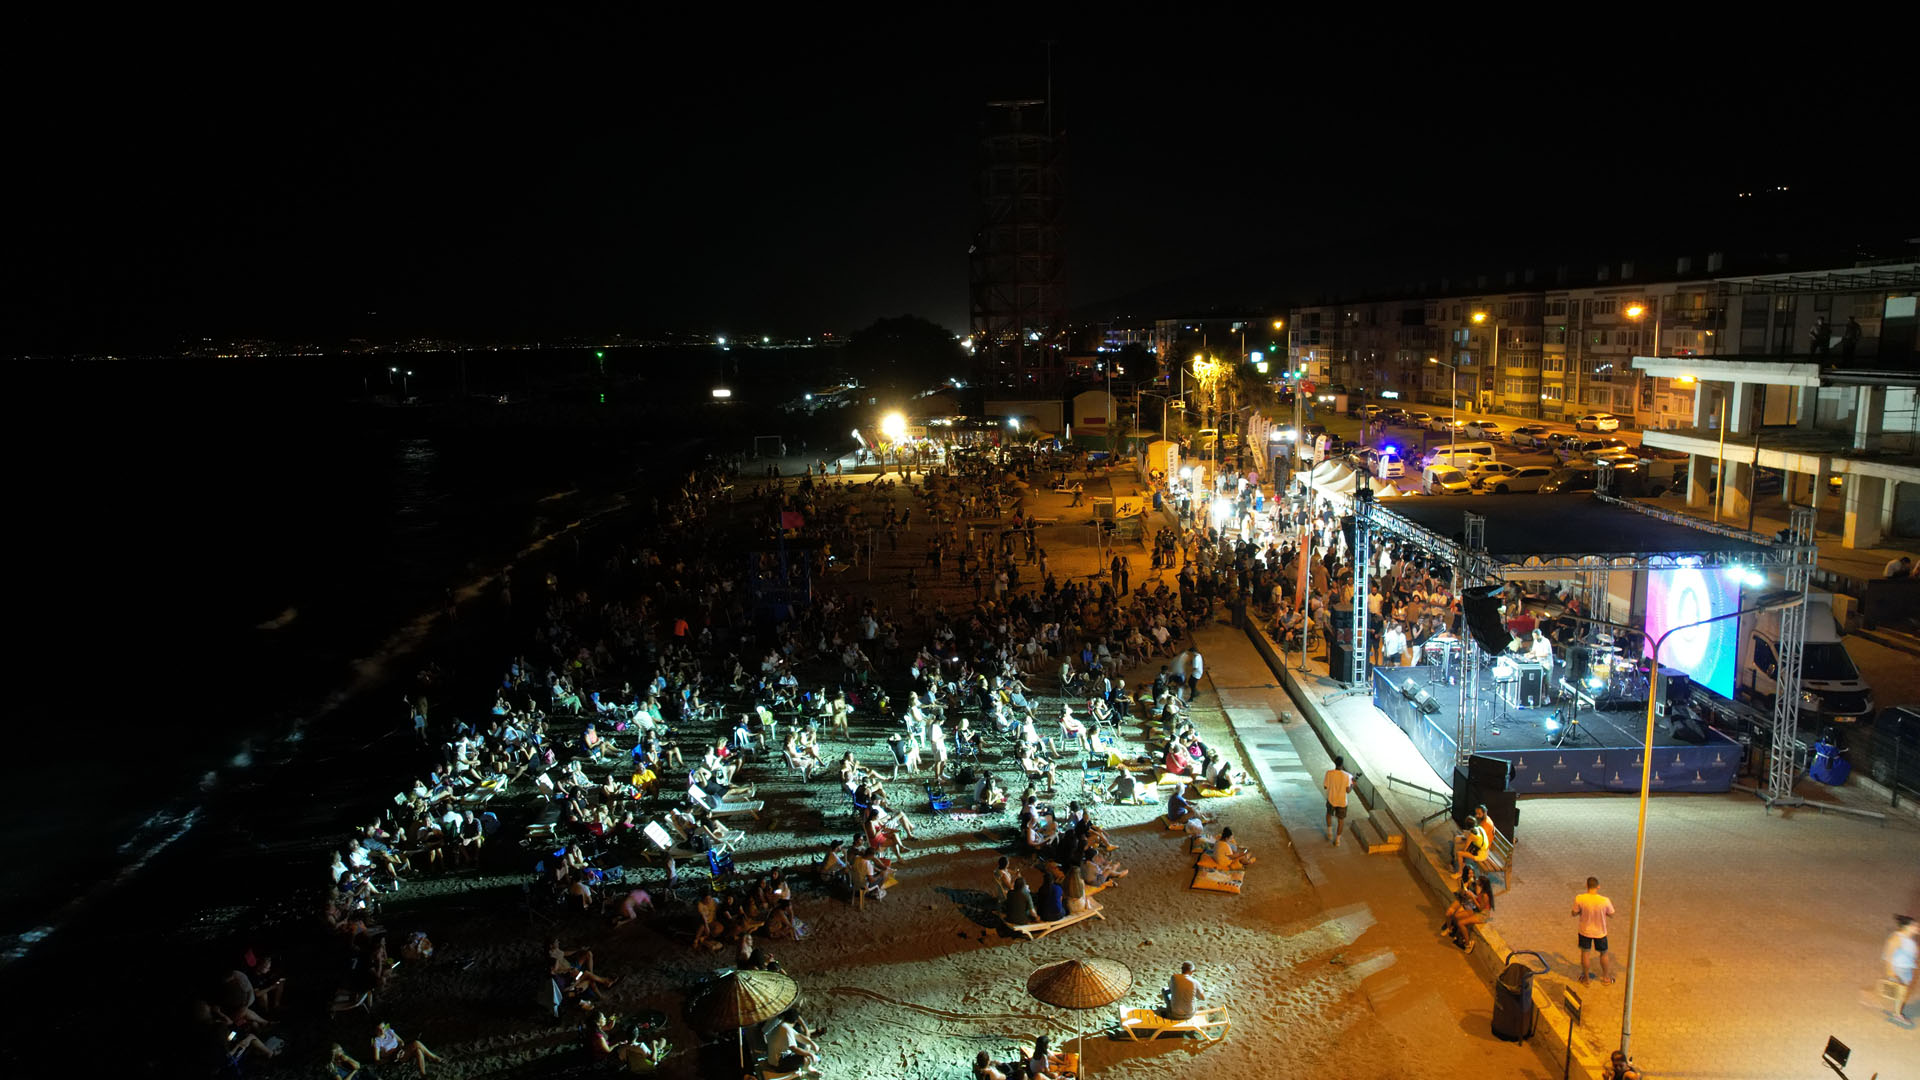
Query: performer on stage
[{"x": 1541, "y": 650}]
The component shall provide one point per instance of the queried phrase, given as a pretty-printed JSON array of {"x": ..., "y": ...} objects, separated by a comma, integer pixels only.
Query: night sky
[{"x": 486, "y": 180}]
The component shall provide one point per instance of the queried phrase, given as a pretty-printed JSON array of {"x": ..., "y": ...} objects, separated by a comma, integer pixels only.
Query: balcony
[{"x": 1693, "y": 318}]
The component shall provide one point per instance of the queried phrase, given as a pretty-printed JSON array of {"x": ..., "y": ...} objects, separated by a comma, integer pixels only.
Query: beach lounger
[
  {"x": 723, "y": 809},
  {"x": 1145, "y": 1025},
  {"x": 1036, "y": 931}
]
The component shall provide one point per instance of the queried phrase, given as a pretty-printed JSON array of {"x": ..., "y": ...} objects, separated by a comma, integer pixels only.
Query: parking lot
[{"x": 1525, "y": 455}]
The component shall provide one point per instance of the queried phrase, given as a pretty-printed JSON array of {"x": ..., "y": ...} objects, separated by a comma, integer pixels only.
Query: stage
[{"x": 1603, "y": 756}]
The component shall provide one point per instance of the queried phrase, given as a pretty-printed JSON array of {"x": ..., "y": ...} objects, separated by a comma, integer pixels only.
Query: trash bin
[
  {"x": 1828, "y": 766},
  {"x": 1513, "y": 1014}
]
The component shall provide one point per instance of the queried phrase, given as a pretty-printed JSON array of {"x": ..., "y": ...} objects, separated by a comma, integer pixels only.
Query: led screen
[{"x": 1687, "y": 595}]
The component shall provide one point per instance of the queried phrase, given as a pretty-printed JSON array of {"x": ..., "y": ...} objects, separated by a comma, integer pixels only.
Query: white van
[
  {"x": 1444, "y": 479},
  {"x": 1461, "y": 452}
]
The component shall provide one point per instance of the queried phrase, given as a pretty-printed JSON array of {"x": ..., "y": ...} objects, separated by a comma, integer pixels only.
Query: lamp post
[
  {"x": 1453, "y": 378},
  {"x": 1493, "y": 363},
  {"x": 1640, "y": 835},
  {"x": 1638, "y": 312}
]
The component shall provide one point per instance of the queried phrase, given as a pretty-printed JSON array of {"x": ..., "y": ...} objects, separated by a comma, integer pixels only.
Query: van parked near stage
[{"x": 1461, "y": 451}]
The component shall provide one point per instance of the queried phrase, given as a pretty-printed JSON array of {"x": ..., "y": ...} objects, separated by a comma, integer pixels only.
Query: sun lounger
[
  {"x": 1036, "y": 931},
  {"x": 1145, "y": 1025},
  {"x": 723, "y": 809}
]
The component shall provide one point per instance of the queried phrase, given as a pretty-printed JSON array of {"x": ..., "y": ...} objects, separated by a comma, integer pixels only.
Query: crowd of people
[{"x": 673, "y": 682}]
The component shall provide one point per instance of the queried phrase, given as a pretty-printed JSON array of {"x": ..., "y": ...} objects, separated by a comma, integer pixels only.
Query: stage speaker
[
  {"x": 1489, "y": 773},
  {"x": 1426, "y": 701},
  {"x": 1481, "y": 608},
  {"x": 1339, "y": 660},
  {"x": 1503, "y": 807},
  {"x": 1409, "y": 689},
  {"x": 1674, "y": 689},
  {"x": 1687, "y": 726}
]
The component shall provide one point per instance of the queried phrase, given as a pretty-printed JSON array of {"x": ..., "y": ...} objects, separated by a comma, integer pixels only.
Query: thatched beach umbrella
[
  {"x": 740, "y": 999},
  {"x": 1081, "y": 984}
]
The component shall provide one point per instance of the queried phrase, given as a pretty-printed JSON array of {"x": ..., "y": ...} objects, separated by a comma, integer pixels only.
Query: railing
[{"x": 1444, "y": 797}]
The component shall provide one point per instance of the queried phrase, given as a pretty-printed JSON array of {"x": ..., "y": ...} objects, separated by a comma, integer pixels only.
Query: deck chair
[
  {"x": 724, "y": 809},
  {"x": 663, "y": 844},
  {"x": 1145, "y": 1025}
]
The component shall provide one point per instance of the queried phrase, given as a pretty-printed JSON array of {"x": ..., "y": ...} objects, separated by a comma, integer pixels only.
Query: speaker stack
[
  {"x": 1483, "y": 782},
  {"x": 1481, "y": 607}
]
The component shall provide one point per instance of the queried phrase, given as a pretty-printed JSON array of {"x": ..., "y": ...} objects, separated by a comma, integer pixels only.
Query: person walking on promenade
[
  {"x": 1901, "y": 955},
  {"x": 1592, "y": 910},
  {"x": 1336, "y": 784}
]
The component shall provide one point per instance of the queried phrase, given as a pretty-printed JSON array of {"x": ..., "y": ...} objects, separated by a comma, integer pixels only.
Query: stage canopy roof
[{"x": 1525, "y": 527}]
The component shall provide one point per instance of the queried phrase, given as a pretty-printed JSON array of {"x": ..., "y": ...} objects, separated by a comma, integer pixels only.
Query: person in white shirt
[
  {"x": 790, "y": 1048},
  {"x": 1592, "y": 910},
  {"x": 1541, "y": 652},
  {"x": 1181, "y": 991},
  {"x": 1336, "y": 784}
]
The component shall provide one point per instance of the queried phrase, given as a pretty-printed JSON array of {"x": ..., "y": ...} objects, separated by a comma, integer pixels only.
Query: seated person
[
  {"x": 1229, "y": 853},
  {"x": 1180, "y": 993},
  {"x": 1051, "y": 903},
  {"x": 390, "y": 1049},
  {"x": 1472, "y": 845},
  {"x": 1018, "y": 907},
  {"x": 790, "y": 1048},
  {"x": 1125, "y": 788},
  {"x": 1179, "y": 808},
  {"x": 1472, "y": 904},
  {"x": 1035, "y": 766},
  {"x": 985, "y": 1069},
  {"x": 1178, "y": 765}
]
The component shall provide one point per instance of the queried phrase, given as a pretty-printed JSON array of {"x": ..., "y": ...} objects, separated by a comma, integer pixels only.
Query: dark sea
[{"x": 223, "y": 562}]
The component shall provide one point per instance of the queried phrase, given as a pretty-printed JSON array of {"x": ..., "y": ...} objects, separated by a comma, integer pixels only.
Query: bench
[
  {"x": 1210, "y": 1024},
  {"x": 1036, "y": 931},
  {"x": 1498, "y": 860}
]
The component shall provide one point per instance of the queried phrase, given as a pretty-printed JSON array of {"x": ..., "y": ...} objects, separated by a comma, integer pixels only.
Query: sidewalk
[
  {"x": 1417, "y": 987},
  {"x": 1763, "y": 930}
]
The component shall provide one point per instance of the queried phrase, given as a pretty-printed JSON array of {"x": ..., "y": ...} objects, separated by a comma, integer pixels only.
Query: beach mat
[{"x": 1226, "y": 881}]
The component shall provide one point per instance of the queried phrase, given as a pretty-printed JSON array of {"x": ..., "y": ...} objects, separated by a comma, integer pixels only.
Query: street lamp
[
  {"x": 1453, "y": 378},
  {"x": 1493, "y": 363},
  {"x": 1638, "y": 313},
  {"x": 1646, "y": 782}
]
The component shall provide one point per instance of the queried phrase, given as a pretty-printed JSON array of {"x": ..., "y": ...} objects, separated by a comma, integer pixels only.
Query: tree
[{"x": 906, "y": 352}]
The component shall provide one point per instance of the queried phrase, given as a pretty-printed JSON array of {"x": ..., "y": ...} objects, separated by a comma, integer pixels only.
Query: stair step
[{"x": 1373, "y": 839}]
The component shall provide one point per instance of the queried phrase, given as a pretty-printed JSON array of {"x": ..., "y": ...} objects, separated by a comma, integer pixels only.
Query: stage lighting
[
  {"x": 1551, "y": 724},
  {"x": 1409, "y": 688}
]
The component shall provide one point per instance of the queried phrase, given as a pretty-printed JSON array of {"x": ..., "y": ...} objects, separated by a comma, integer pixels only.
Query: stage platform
[{"x": 1604, "y": 757}]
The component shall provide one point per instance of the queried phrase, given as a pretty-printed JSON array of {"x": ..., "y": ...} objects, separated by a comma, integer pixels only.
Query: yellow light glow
[
  {"x": 1685, "y": 380},
  {"x": 1479, "y": 316},
  {"x": 893, "y": 426},
  {"x": 1279, "y": 324},
  {"x": 1634, "y": 311}
]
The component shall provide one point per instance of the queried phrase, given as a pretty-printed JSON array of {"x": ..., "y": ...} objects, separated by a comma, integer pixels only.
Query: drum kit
[{"x": 1613, "y": 674}]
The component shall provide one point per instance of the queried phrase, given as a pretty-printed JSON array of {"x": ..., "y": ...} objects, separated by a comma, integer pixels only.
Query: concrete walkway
[
  {"x": 1762, "y": 931},
  {"x": 1417, "y": 986}
]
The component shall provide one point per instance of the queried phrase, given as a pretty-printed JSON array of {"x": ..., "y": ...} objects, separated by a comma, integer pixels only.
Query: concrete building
[{"x": 1813, "y": 404}]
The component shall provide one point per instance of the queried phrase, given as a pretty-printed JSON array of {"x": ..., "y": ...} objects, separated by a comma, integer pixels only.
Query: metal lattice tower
[
  {"x": 1362, "y": 570},
  {"x": 1784, "y": 755},
  {"x": 1016, "y": 275},
  {"x": 1472, "y": 568}
]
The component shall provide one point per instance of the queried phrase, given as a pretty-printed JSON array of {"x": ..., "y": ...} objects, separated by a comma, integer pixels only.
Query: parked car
[
  {"x": 1533, "y": 435},
  {"x": 1442, "y": 424},
  {"x": 1370, "y": 411},
  {"x": 1419, "y": 419},
  {"x": 1522, "y": 478},
  {"x": 1444, "y": 480},
  {"x": 1488, "y": 430},
  {"x": 1393, "y": 414},
  {"x": 1601, "y": 422},
  {"x": 1385, "y": 464},
  {"x": 1479, "y": 471},
  {"x": 1555, "y": 440},
  {"x": 1571, "y": 478},
  {"x": 1571, "y": 450}
]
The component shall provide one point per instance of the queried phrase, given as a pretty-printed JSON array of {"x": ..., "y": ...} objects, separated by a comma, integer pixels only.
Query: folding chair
[{"x": 720, "y": 865}]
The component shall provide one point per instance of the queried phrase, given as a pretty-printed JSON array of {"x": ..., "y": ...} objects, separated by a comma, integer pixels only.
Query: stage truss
[{"x": 1793, "y": 555}]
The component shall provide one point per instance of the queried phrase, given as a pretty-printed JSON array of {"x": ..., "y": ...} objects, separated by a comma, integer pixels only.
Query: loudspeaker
[
  {"x": 1409, "y": 689},
  {"x": 1489, "y": 773},
  {"x": 1503, "y": 807},
  {"x": 1687, "y": 726},
  {"x": 1673, "y": 689},
  {"x": 1481, "y": 611},
  {"x": 1339, "y": 660},
  {"x": 1426, "y": 701}
]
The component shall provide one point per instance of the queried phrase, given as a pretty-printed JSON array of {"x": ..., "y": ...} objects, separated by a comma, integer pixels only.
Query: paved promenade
[{"x": 1762, "y": 931}]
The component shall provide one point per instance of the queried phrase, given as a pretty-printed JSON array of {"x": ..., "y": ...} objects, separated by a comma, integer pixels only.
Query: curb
[{"x": 1549, "y": 1038}]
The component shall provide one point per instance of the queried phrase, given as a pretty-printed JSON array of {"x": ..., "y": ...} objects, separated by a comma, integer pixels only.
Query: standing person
[
  {"x": 1900, "y": 956},
  {"x": 1197, "y": 667},
  {"x": 1849, "y": 339},
  {"x": 1337, "y": 783},
  {"x": 1592, "y": 910},
  {"x": 1181, "y": 991}
]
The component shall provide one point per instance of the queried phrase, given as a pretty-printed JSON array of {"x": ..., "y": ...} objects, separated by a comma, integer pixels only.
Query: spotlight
[{"x": 1551, "y": 724}]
